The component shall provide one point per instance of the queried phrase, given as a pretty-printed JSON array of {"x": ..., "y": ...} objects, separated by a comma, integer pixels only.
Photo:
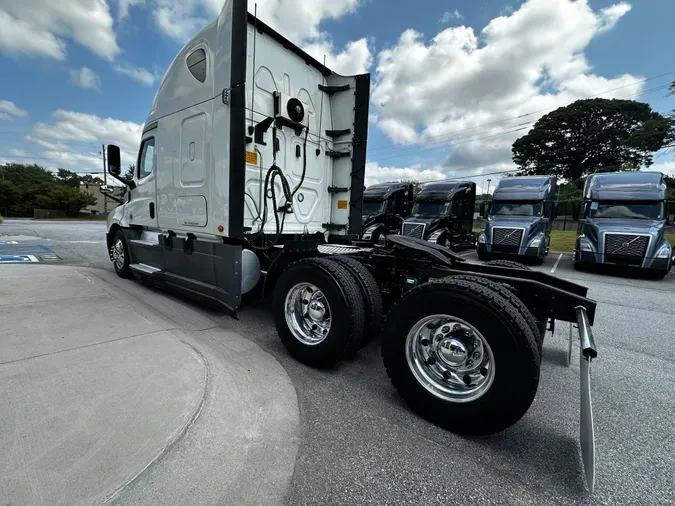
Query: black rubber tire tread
[
  {"x": 374, "y": 306},
  {"x": 509, "y": 293},
  {"x": 508, "y": 263},
  {"x": 125, "y": 272},
  {"x": 347, "y": 311},
  {"x": 517, "y": 360}
]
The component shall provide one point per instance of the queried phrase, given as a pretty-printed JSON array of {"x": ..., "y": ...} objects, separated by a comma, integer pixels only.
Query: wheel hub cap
[
  {"x": 450, "y": 358},
  {"x": 308, "y": 313},
  {"x": 452, "y": 352}
]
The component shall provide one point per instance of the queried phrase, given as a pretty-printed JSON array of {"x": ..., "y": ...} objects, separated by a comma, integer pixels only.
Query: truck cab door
[{"x": 142, "y": 208}]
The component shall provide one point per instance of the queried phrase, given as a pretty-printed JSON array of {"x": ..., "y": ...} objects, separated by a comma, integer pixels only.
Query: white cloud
[
  {"x": 71, "y": 130},
  {"x": 138, "y": 74},
  {"x": 19, "y": 37},
  {"x": 37, "y": 27},
  {"x": 9, "y": 111},
  {"x": 378, "y": 174},
  {"x": 123, "y": 7},
  {"x": 355, "y": 58},
  {"x": 443, "y": 92},
  {"x": 18, "y": 152},
  {"x": 668, "y": 168},
  {"x": 85, "y": 78},
  {"x": 52, "y": 146},
  {"x": 610, "y": 16},
  {"x": 297, "y": 20},
  {"x": 450, "y": 15}
]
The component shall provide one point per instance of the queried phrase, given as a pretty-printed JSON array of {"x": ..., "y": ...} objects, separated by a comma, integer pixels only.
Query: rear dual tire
[
  {"x": 325, "y": 309},
  {"x": 483, "y": 324}
]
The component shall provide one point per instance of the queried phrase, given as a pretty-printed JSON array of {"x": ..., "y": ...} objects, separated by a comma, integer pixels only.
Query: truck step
[
  {"x": 337, "y": 154},
  {"x": 141, "y": 242},
  {"x": 338, "y": 133},
  {"x": 144, "y": 268},
  {"x": 333, "y": 89}
]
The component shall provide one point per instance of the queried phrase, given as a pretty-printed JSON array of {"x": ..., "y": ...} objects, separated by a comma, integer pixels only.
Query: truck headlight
[
  {"x": 434, "y": 237},
  {"x": 536, "y": 242},
  {"x": 584, "y": 244},
  {"x": 481, "y": 238},
  {"x": 664, "y": 251}
]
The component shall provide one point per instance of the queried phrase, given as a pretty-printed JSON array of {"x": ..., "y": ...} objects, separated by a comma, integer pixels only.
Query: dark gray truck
[
  {"x": 385, "y": 206},
  {"x": 443, "y": 214},
  {"x": 519, "y": 218},
  {"x": 622, "y": 219}
]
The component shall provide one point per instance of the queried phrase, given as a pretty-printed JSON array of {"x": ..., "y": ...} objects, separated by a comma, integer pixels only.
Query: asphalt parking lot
[{"x": 360, "y": 444}]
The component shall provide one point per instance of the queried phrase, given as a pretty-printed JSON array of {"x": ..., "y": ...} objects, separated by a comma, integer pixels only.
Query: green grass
[{"x": 563, "y": 240}]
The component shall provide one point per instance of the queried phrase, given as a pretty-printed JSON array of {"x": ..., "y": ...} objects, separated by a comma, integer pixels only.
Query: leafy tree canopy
[
  {"x": 591, "y": 135},
  {"x": 27, "y": 187}
]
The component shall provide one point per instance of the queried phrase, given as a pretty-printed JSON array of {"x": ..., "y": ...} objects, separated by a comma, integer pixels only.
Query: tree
[
  {"x": 65, "y": 198},
  {"x": 128, "y": 175},
  {"x": 591, "y": 135}
]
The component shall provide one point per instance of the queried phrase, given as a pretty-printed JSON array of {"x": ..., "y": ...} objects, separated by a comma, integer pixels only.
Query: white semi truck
[{"x": 251, "y": 172}]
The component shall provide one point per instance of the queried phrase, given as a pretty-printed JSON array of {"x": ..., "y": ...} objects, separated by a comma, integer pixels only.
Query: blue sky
[{"x": 446, "y": 74}]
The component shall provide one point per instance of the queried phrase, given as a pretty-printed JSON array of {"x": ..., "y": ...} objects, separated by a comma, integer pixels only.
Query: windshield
[
  {"x": 430, "y": 208},
  {"x": 372, "y": 207},
  {"x": 632, "y": 210},
  {"x": 524, "y": 208}
]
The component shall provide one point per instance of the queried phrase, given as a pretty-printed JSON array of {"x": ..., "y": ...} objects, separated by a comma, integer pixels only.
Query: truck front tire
[
  {"x": 119, "y": 254},
  {"x": 318, "y": 311},
  {"x": 509, "y": 263},
  {"x": 462, "y": 356}
]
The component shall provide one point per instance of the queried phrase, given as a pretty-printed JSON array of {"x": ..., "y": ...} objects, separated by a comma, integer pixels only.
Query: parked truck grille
[
  {"x": 506, "y": 240},
  {"x": 414, "y": 230},
  {"x": 625, "y": 248}
]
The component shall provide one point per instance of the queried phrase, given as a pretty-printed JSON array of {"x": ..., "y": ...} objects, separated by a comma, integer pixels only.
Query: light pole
[{"x": 488, "y": 188}]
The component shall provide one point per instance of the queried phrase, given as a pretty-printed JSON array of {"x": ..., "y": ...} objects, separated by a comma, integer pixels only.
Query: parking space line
[
  {"x": 555, "y": 265},
  {"x": 467, "y": 254}
]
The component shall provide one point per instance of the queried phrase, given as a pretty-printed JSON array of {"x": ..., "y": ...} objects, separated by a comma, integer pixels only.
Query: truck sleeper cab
[
  {"x": 443, "y": 214},
  {"x": 519, "y": 219},
  {"x": 622, "y": 221},
  {"x": 242, "y": 182},
  {"x": 385, "y": 206}
]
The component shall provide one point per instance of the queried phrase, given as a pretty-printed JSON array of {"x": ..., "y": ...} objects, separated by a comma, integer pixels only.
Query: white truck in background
[{"x": 251, "y": 172}]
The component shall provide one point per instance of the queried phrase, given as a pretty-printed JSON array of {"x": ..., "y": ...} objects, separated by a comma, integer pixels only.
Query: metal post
[{"x": 105, "y": 182}]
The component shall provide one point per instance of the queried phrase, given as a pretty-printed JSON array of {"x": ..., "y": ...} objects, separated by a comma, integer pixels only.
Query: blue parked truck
[
  {"x": 622, "y": 220},
  {"x": 519, "y": 218}
]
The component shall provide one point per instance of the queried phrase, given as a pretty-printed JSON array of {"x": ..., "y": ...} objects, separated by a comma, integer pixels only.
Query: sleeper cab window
[
  {"x": 147, "y": 162},
  {"x": 196, "y": 63}
]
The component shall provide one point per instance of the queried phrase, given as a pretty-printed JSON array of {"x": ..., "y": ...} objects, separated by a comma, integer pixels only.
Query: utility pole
[{"x": 105, "y": 182}]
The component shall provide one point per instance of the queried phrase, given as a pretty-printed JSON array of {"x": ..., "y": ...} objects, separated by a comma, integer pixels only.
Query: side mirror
[
  {"x": 576, "y": 210},
  {"x": 114, "y": 160}
]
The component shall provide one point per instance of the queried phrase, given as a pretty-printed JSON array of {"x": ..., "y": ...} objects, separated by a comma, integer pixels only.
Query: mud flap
[{"x": 587, "y": 433}]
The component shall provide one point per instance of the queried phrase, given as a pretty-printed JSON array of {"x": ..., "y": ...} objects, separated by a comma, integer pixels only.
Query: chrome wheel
[
  {"x": 450, "y": 358},
  {"x": 117, "y": 254},
  {"x": 307, "y": 313}
]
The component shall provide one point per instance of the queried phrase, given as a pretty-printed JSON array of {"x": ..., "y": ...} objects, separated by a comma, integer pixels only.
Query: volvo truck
[
  {"x": 622, "y": 220},
  {"x": 443, "y": 214},
  {"x": 250, "y": 174},
  {"x": 385, "y": 206},
  {"x": 519, "y": 219}
]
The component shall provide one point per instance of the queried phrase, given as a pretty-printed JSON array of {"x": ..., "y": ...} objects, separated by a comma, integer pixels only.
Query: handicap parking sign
[{"x": 17, "y": 259}]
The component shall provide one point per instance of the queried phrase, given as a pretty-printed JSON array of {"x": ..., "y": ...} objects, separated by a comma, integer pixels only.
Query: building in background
[{"x": 101, "y": 206}]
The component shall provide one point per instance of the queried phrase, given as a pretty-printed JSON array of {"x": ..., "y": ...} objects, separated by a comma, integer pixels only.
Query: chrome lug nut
[
  {"x": 476, "y": 355},
  {"x": 469, "y": 363},
  {"x": 456, "y": 327},
  {"x": 445, "y": 329}
]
